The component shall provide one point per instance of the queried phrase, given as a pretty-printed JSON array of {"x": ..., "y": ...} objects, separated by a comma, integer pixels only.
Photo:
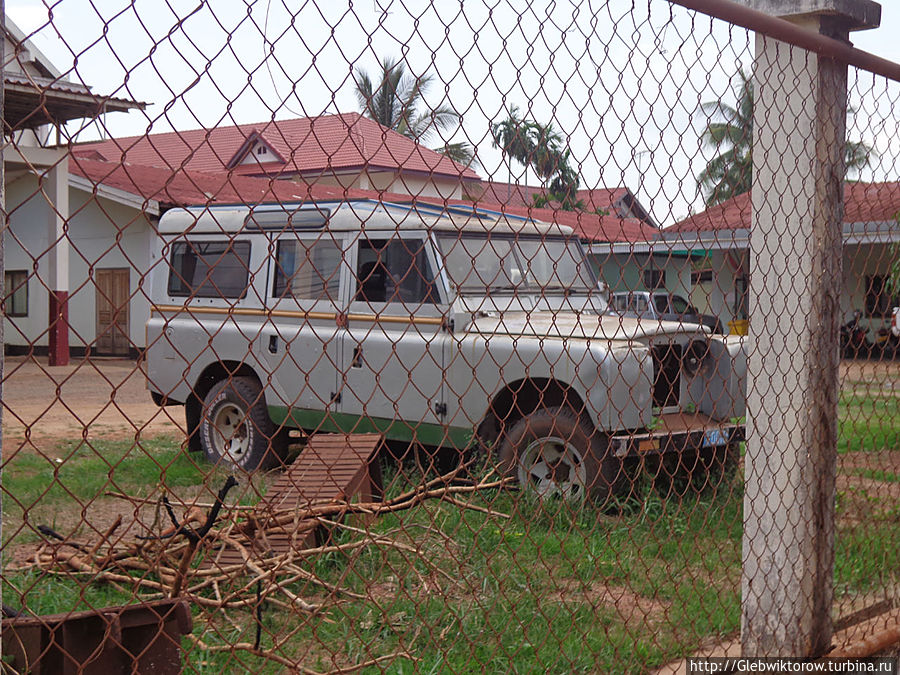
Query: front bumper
[{"x": 677, "y": 433}]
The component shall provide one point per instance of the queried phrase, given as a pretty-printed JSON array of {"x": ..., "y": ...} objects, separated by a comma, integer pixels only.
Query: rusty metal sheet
[
  {"x": 135, "y": 639},
  {"x": 331, "y": 468}
]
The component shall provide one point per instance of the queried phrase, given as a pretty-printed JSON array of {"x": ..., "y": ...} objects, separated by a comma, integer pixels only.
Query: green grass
[
  {"x": 70, "y": 482},
  {"x": 551, "y": 589},
  {"x": 878, "y": 474},
  {"x": 868, "y": 423},
  {"x": 88, "y": 469},
  {"x": 534, "y": 593}
]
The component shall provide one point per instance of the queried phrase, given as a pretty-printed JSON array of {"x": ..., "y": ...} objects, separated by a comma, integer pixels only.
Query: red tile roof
[
  {"x": 588, "y": 226},
  {"x": 863, "y": 203},
  {"x": 603, "y": 198},
  {"x": 513, "y": 194},
  {"x": 310, "y": 145},
  {"x": 197, "y": 188},
  {"x": 194, "y": 188}
]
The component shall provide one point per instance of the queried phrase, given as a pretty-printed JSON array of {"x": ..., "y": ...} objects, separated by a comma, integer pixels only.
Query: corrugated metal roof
[{"x": 30, "y": 101}]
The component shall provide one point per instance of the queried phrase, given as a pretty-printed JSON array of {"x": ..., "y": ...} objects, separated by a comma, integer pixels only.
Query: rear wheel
[
  {"x": 554, "y": 453},
  {"x": 235, "y": 427}
]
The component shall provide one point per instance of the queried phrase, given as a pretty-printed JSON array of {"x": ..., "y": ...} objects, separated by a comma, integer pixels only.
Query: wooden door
[{"x": 113, "y": 295}]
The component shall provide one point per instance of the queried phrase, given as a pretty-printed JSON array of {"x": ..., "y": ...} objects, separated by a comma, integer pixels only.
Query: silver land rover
[{"x": 451, "y": 328}]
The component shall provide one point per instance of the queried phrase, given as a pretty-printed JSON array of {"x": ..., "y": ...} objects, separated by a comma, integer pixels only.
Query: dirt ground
[{"x": 96, "y": 398}]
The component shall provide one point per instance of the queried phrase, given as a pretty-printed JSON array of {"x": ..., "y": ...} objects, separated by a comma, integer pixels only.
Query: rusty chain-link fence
[{"x": 477, "y": 337}]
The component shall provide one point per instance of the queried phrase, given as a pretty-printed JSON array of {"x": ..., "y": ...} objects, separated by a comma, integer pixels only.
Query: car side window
[
  {"x": 307, "y": 269},
  {"x": 394, "y": 270},
  {"x": 209, "y": 269},
  {"x": 661, "y": 302},
  {"x": 641, "y": 306}
]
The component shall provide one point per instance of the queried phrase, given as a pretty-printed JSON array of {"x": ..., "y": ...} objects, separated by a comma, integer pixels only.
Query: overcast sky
[{"x": 623, "y": 84}]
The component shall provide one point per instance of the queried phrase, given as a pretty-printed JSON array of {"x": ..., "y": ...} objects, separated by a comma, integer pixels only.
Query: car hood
[{"x": 570, "y": 325}]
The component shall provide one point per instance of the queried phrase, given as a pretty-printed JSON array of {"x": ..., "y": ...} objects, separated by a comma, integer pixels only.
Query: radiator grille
[{"x": 666, "y": 375}]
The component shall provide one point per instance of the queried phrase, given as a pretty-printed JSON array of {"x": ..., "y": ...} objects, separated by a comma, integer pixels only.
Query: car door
[
  {"x": 394, "y": 346},
  {"x": 300, "y": 342}
]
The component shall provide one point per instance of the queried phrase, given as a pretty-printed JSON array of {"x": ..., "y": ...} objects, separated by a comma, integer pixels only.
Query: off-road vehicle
[
  {"x": 661, "y": 306},
  {"x": 451, "y": 328}
]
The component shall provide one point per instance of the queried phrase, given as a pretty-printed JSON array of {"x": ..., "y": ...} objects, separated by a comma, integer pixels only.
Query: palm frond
[{"x": 461, "y": 153}]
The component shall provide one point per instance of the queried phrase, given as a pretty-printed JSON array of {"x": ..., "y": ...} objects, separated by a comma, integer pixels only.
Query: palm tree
[
  {"x": 547, "y": 156},
  {"x": 394, "y": 99},
  {"x": 730, "y": 173},
  {"x": 857, "y": 154},
  {"x": 540, "y": 147},
  {"x": 514, "y": 136}
]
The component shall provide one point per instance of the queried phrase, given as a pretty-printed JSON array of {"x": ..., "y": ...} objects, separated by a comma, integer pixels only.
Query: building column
[
  {"x": 795, "y": 281},
  {"x": 55, "y": 182}
]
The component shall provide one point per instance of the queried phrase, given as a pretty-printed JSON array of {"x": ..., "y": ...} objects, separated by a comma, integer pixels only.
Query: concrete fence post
[{"x": 795, "y": 274}]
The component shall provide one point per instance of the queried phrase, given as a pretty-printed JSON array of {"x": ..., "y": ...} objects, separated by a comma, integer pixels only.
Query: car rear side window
[
  {"x": 209, "y": 269},
  {"x": 308, "y": 269}
]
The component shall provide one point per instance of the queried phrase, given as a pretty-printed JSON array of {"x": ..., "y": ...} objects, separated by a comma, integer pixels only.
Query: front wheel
[
  {"x": 235, "y": 427},
  {"x": 554, "y": 453}
]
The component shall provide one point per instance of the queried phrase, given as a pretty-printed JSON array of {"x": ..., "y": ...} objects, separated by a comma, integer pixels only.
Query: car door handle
[
  {"x": 273, "y": 344},
  {"x": 357, "y": 361}
]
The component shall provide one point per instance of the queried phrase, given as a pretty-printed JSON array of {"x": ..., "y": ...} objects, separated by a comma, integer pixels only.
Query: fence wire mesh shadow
[{"x": 419, "y": 339}]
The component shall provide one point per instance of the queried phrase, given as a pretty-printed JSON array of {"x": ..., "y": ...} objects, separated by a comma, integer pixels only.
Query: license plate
[{"x": 714, "y": 437}]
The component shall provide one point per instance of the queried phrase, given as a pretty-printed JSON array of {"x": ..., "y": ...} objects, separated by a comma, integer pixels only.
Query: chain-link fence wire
[{"x": 513, "y": 243}]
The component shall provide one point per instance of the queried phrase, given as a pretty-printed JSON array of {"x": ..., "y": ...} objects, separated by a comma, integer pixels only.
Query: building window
[
  {"x": 654, "y": 278},
  {"x": 16, "y": 301},
  {"x": 701, "y": 277},
  {"x": 742, "y": 297},
  {"x": 879, "y": 300}
]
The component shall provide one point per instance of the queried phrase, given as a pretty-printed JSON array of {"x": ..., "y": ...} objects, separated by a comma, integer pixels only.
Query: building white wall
[
  {"x": 419, "y": 186},
  {"x": 625, "y": 271},
  {"x": 390, "y": 181},
  {"x": 102, "y": 234}
]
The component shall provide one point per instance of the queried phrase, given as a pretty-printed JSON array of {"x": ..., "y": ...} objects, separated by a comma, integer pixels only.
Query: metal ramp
[{"x": 331, "y": 468}]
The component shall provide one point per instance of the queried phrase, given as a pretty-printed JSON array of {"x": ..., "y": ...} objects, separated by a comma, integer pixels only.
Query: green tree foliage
[
  {"x": 730, "y": 133},
  {"x": 395, "y": 98},
  {"x": 541, "y": 148}
]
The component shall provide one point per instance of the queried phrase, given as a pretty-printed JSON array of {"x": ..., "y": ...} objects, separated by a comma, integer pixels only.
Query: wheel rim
[
  {"x": 230, "y": 434},
  {"x": 552, "y": 467}
]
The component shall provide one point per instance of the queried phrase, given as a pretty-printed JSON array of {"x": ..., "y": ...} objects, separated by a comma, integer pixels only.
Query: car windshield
[
  {"x": 680, "y": 305},
  {"x": 484, "y": 264}
]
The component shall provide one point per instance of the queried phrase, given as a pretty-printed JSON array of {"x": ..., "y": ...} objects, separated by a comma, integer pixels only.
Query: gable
[{"x": 255, "y": 150}]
